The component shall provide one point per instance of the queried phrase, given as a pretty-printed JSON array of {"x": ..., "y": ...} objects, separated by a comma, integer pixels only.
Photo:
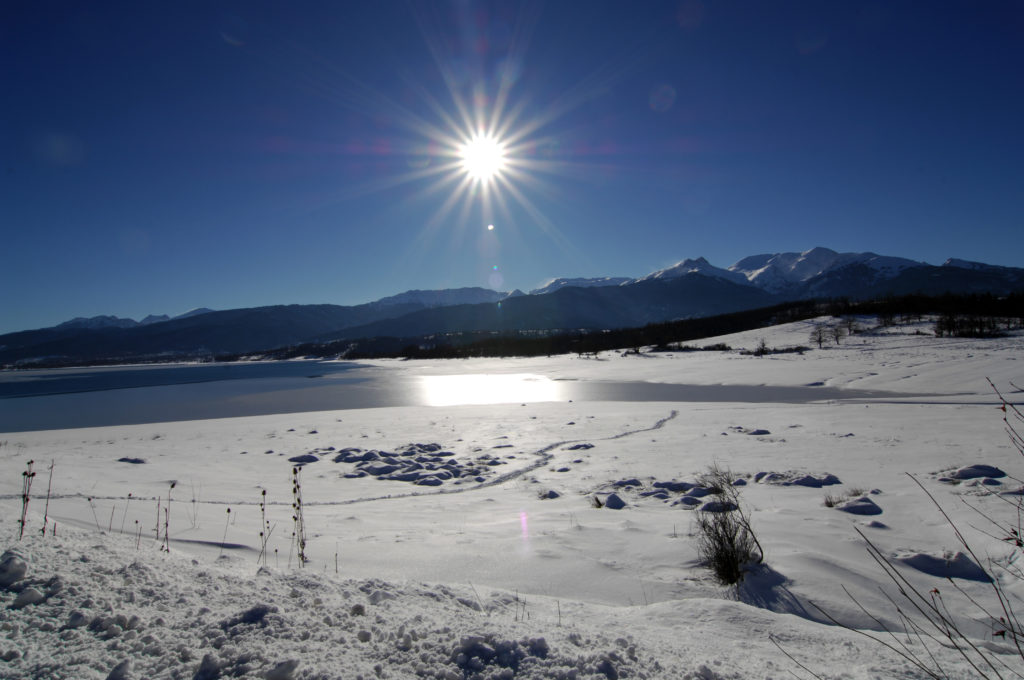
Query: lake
[{"x": 128, "y": 395}]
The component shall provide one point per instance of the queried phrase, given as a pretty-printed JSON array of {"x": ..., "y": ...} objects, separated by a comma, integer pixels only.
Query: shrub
[{"x": 726, "y": 543}]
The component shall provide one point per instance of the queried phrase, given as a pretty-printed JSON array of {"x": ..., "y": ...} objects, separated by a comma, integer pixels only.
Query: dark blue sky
[{"x": 164, "y": 156}]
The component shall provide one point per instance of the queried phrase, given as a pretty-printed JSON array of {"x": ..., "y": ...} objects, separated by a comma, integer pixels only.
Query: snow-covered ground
[{"x": 490, "y": 559}]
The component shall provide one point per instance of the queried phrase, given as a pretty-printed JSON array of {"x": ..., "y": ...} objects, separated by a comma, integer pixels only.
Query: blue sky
[{"x": 163, "y": 156}]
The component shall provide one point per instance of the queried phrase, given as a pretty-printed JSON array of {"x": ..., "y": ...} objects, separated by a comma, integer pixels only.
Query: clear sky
[{"x": 161, "y": 156}]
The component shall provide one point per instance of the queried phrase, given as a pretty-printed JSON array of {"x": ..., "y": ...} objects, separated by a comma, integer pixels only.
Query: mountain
[
  {"x": 444, "y": 298},
  {"x": 782, "y": 273},
  {"x": 573, "y": 308},
  {"x": 98, "y": 322},
  {"x": 194, "y": 312},
  {"x": 557, "y": 284},
  {"x": 824, "y": 273},
  {"x": 117, "y": 322},
  {"x": 691, "y": 288},
  {"x": 698, "y": 266}
]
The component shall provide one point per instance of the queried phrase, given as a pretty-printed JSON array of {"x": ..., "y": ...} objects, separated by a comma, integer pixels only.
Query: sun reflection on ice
[{"x": 454, "y": 390}]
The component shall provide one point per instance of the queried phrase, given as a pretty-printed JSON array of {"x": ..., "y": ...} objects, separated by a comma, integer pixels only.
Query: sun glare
[{"x": 483, "y": 157}]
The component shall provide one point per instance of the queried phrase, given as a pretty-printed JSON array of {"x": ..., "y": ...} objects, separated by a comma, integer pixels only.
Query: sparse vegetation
[
  {"x": 819, "y": 334},
  {"x": 26, "y": 488},
  {"x": 726, "y": 542},
  {"x": 166, "y": 546},
  {"x": 224, "y": 540},
  {"x": 266, "y": 530},
  {"x": 46, "y": 508},
  {"x": 299, "y": 533},
  {"x": 832, "y": 500},
  {"x": 926, "y": 619}
]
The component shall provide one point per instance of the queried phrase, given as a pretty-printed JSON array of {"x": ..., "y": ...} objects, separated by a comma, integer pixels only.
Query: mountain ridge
[{"x": 690, "y": 288}]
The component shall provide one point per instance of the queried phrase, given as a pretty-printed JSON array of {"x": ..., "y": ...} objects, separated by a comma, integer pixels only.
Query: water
[{"x": 128, "y": 395}]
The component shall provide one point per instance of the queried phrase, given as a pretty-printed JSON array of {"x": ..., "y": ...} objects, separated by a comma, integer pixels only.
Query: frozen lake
[{"x": 129, "y": 395}]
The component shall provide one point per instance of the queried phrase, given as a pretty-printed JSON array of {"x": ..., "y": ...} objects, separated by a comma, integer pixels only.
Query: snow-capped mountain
[
  {"x": 557, "y": 284},
  {"x": 689, "y": 289},
  {"x": 783, "y": 272},
  {"x": 698, "y": 266}
]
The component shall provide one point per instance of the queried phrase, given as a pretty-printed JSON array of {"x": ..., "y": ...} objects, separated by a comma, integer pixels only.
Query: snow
[
  {"x": 778, "y": 271},
  {"x": 519, "y": 574},
  {"x": 698, "y": 266},
  {"x": 551, "y": 285}
]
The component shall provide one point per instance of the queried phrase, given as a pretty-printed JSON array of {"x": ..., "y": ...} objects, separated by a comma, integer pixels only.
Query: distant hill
[{"x": 691, "y": 288}]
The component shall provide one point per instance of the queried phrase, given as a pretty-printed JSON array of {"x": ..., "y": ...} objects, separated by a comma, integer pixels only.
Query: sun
[{"x": 483, "y": 157}]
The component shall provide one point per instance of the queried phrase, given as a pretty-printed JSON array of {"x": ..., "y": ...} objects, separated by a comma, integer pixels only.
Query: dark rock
[
  {"x": 379, "y": 468},
  {"x": 613, "y": 502},
  {"x": 627, "y": 482},
  {"x": 405, "y": 476},
  {"x": 673, "y": 486}
]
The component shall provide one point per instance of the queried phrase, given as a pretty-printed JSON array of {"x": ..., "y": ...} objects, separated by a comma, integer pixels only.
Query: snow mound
[
  {"x": 860, "y": 506},
  {"x": 13, "y": 567},
  {"x": 793, "y": 478},
  {"x": 977, "y": 470},
  {"x": 945, "y": 565}
]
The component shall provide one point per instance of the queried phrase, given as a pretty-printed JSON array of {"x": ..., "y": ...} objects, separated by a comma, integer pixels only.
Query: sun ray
[{"x": 478, "y": 147}]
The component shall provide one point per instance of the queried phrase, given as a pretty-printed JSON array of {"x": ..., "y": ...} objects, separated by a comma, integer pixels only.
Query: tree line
[{"x": 980, "y": 315}]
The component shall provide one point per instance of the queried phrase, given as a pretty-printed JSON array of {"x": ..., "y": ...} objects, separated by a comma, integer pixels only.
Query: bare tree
[
  {"x": 819, "y": 334},
  {"x": 837, "y": 333}
]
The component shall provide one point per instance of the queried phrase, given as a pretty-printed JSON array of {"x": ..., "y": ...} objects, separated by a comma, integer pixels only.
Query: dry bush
[{"x": 726, "y": 543}]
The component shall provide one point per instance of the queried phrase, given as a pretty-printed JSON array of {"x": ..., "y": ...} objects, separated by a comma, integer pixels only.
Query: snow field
[{"x": 465, "y": 580}]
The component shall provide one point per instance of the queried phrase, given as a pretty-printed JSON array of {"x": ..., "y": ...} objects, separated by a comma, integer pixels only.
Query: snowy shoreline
[{"x": 483, "y": 561}]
